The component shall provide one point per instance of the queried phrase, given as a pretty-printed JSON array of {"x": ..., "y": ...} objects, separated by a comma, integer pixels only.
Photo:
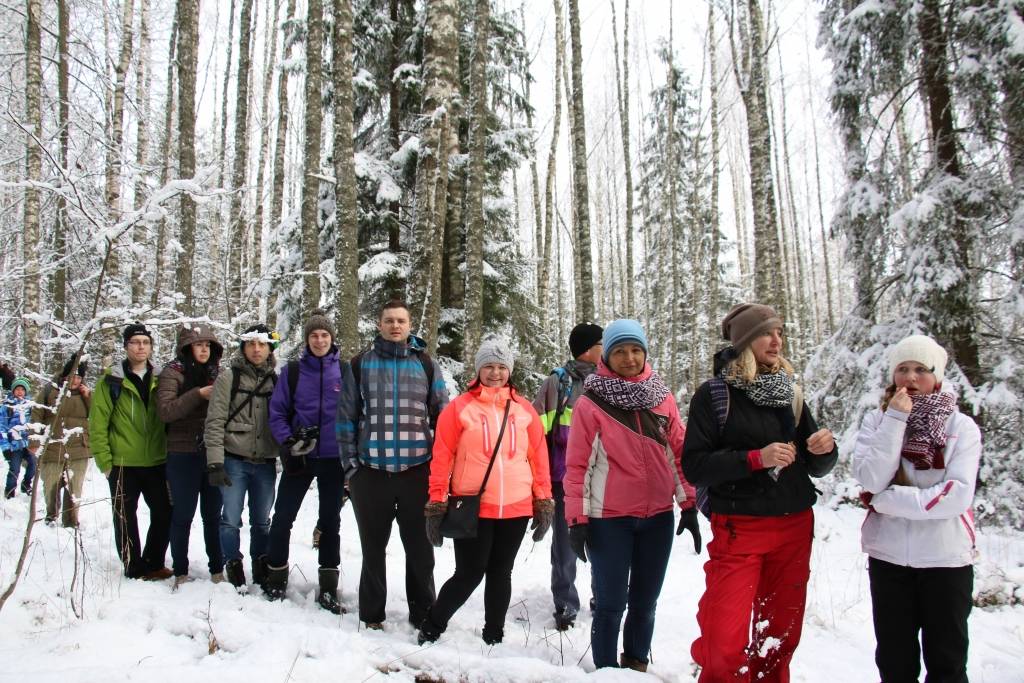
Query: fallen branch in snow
[{"x": 213, "y": 645}]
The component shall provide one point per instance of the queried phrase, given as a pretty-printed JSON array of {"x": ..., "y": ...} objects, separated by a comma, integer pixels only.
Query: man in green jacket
[{"x": 127, "y": 440}]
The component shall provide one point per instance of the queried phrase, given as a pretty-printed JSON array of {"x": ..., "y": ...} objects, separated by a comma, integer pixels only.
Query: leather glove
[
  {"x": 216, "y": 475},
  {"x": 433, "y": 513},
  {"x": 578, "y": 540},
  {"x": 543, "y": 514},
  {"x": 688, "y": 522}
]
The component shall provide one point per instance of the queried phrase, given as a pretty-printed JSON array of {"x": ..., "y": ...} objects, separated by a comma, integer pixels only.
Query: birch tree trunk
[
  {"x": 714, "y": 241},
  {"x": 165, "y": 157},
  {"x": 142, "y": 83},
  {"x": 395, "y": 283},
  {"x": 31, "y": 303},
  {"x": 440, "y": 108},
  {"x": 269, "y": 67},
  {"x": 581, "y": 195},
  {"x": 769, "y": 286},
  {"x": 60, "y": 244},
  {"x": 310, "y": 179},
  {"x": 627, "y": 163},
  {"x": 280, "y": 145},
  {"x": 538, "y": 220},
  {"x": 674, "y": 228},
  {"x": 346, "y": 252},
  {"x": 224, "y": 98},
  {"x": 549, "y": 179},
  {"x": 236, "y": 219},
  {"x": 477, "y": 175},
  {"x": 188, "y": 39}
]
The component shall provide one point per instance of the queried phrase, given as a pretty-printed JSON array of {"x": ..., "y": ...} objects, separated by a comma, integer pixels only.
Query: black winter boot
[
  {"x": 327, "y": 596},
  {"x": 493, "y": 635},
  {"x": 275, "y": 582},
  {"x": 259, "y": 570},
  {"x": 429, "y": 631},
  {"x": 236, "y": 573}
]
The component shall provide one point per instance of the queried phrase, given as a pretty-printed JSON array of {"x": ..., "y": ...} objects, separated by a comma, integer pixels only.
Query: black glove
[
  {"x": 688, "y": 522},
  {"x": 433, "y": 513},
  {"x": 543, "y": 514},
  {"x": 578, "y": 540},
  {"x": 216, "y": 475}
]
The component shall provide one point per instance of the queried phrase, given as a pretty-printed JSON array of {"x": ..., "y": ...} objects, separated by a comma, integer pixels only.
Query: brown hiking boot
[
  {"x": 157, "y": 574},
  {"x": 630, "y": 663}
]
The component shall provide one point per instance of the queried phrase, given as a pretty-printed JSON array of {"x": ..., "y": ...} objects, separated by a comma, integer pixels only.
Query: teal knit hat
[
  {"x": 21, "y": 382},
  {"x": 622, "y": 331}
]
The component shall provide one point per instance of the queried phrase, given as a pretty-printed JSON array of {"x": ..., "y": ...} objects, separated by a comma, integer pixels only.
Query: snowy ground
[{"x": 136, "y": 631}]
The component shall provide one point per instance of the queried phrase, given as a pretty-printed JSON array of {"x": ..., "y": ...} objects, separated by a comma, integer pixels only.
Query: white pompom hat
[{"x": 921, "y": 349}]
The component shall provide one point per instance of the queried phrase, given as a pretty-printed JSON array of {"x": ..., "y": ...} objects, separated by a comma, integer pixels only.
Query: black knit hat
[
  {"x": 134, "y": 330},
  {"x": 83, "y": 366},
  {"x": 583, "y": 336}
]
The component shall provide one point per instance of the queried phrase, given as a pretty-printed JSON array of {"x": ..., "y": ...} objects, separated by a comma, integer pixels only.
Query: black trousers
[
  {"x": 127, "y": 484},
  {"x": 379, "y": 498},
  {"x": 933, "y": 602},
  {"x": 291, "y": 489},
  {"x": 491, "y": 554}
]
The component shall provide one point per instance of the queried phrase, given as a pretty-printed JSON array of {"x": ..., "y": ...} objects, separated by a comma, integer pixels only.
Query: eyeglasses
[{"x": 139, "y": 342}]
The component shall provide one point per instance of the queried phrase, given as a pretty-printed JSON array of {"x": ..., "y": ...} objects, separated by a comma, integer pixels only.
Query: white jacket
[{"x": 929, "y": 523}]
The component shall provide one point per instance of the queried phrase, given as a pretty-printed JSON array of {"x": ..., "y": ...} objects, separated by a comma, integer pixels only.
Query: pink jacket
[
  {"x": 624, "y": 463},
  {"x": 464, "y": 442}
]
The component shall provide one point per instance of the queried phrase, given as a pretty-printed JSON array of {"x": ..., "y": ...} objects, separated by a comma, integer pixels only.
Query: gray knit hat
[
  {"x": 494, "y": 351},
  {"x": 318, "y": 320}
]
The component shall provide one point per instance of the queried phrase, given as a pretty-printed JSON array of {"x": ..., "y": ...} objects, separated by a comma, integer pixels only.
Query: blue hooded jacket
[{"x": 315, "y": 401}]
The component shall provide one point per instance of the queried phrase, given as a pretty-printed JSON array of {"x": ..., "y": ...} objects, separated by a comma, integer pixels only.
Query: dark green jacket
[{"x": 128, "y": 432}]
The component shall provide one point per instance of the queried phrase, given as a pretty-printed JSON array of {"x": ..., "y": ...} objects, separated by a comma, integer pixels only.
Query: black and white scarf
[
  {"x": 621, "y": 393},
  {"x": 925, "y": 438},
  {"x": 768, "y": 389}
]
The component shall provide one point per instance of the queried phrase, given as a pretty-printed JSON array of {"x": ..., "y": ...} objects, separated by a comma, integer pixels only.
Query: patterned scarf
[
  {"x": 925, "y": 437},
  {"x": 621, "y": 393},
  {"x": 768, "y": 389}
]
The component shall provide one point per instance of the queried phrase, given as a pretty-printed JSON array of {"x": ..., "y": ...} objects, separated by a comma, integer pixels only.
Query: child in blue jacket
[{"x": 14, "y": 432}]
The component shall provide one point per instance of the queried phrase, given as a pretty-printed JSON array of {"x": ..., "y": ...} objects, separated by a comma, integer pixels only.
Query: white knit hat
[
  {"x": 494, "y": 351},
  {"x": 921, "y": 349}
]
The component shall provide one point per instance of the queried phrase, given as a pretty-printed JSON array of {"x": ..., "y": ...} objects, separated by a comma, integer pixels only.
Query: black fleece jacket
[{"x": 717, "y": 459}]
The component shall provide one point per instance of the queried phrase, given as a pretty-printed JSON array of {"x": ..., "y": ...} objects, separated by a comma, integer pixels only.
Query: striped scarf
[{"x": 925, "y": 437}]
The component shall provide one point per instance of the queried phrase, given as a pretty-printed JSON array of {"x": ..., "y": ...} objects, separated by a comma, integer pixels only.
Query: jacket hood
[
  {"x": 579, "y": 369},
  {"x": 117, "y": 369},
  {"x": 196, "y": 332},
  {"x": 722, "y": 358}
]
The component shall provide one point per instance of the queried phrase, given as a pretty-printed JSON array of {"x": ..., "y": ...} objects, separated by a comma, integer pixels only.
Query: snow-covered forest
[{"x": 512, "y": 167}]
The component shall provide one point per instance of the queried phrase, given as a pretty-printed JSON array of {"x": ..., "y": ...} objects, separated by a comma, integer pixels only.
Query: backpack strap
[
  {"x": 562, "y": 401},
  {"x": 236, "y": 377},
  {"x": 114, "y": 383},
  {"x": 428, "y": 369},
  {"x": 719, "y": 400},
  {"x": 798, "y": 404}
]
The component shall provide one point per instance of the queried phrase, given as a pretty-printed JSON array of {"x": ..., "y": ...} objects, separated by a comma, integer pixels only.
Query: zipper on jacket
[
  {"x": 320, "y": 407},
  {"x": 394, "y": 415},
  {"x": 501, "y": 465}
]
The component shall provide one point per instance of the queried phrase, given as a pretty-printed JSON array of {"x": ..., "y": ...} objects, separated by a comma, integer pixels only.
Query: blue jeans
[
  {"x": 629, "y": 557},
  {"x": 330, "y": 479},
  {"x": 258, "y": 481},
  {"x": 188, "y": 484},
  {"x": 14, "y": 459}
]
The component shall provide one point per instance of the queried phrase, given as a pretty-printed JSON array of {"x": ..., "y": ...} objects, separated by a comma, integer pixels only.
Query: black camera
[{"x": 311, "y": 433}]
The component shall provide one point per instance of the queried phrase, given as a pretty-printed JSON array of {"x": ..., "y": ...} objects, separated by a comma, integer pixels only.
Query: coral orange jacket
[{"x": 464, "y": 442}]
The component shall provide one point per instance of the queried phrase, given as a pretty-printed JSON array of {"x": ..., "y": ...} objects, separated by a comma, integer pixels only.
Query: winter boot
[
  {"x": 275, "y": 582},
  {"x": 564, "y": 619},
  {"x": 259, "y": 570},
  {"x": 429, "y": 631},
  {"x": 236, "y": 573},
  {"x": 493, "y": 635},
  {"x": 626, "y": 662},
  {"x": 327, "y": 596}
]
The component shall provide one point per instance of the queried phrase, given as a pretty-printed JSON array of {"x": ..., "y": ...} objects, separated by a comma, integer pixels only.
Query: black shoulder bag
[{"x": 463, "y": 514}]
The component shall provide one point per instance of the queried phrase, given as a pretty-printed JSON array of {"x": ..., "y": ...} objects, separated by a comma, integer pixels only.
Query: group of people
[{"x": 601, "y": 457}]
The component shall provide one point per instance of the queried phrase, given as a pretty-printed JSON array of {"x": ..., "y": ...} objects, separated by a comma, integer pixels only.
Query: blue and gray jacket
[
  {"x": 386, "y": 419},
  {"x": 14, "y": 424}
]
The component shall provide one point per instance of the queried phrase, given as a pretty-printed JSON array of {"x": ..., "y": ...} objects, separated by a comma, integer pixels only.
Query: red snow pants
[{"x": 758, "y": 567}]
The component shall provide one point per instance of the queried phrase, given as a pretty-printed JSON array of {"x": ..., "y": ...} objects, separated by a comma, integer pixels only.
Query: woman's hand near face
[
  {"x": 901, "y": 401},
  {"x": 778, "y": 455},
  {"x": 821, "y": 442}
]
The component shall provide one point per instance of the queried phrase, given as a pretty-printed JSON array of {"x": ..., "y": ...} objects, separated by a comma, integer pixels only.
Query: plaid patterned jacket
[{"x": 387, "y": 422}]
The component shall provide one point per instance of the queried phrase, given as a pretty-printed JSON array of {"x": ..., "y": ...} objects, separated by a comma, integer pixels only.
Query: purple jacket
[{"x": 315, "y": 401}]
